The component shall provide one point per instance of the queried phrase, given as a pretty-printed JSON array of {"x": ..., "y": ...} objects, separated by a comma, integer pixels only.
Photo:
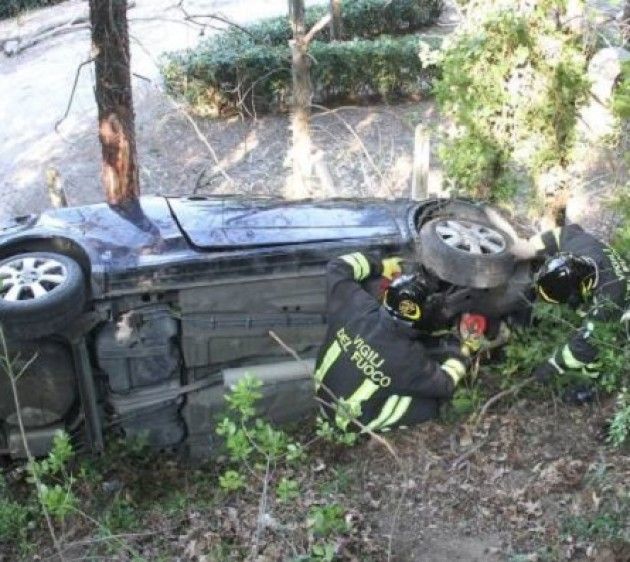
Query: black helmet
[
  {"x": 406, "y": 296},
  {"x": 565, "y": 278}
]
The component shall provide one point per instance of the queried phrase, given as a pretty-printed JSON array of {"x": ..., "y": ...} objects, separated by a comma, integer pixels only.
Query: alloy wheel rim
[
  {"x": 30, "y": 278},
  {"x": 470, "y": 237}
]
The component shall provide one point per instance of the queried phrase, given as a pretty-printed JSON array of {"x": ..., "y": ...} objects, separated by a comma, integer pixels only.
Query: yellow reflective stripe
[
  {"x": 351, "y": 408},
  {"x": 399, "y": 412},
  {"x": 365, "y": 266},
  {"x": 386, "y": 411},
  {"x": 455, "y": 368},
  {"x": 329, "y": 358},
  {"x": 356, "y": 268},
  {"x": 546, "y": 297},
  {"x": 569, "y": 359},
  {"x": 360, "y": 265},
  {"x": 555, "y": 365}
]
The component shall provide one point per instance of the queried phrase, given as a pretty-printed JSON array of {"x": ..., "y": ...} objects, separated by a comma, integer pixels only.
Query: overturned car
[{"x": 140, "y": 318}]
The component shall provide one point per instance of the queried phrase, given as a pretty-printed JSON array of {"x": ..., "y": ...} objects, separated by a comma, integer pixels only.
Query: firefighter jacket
[
  {"x": 608, "y": 300},
  {"x": 371, "y": 367}
]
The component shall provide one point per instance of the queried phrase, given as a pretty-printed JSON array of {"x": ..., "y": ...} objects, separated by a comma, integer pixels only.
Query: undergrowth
[{"x": 512, "y": 81}]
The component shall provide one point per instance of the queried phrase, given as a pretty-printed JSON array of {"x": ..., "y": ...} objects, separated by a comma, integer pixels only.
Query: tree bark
[
  {"x": 302, "y": 92},
  {"x": 336, "y": 25},
  {"x": 110, "y": 45}
]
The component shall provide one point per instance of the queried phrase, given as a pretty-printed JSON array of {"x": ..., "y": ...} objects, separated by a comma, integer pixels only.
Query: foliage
[
  {"x": 52, "y": 479},
  {"x": 621, "y": 95},
  {"x": 550, "y": 329},
  {"x": 249, "y": 441},
  {"x": 512, "y": 81},
  {"x": 609, "y": 525},
  {"x": 13, "y": 517},
  {"x": 10, "y": 8},
  {"x": 327, "y": 519},
  {"x": 287, "y": 490},
  {"x": 225, "y": 76},
  {"x": 619, "y": 431},
  {"x": 364, "y": 19}
]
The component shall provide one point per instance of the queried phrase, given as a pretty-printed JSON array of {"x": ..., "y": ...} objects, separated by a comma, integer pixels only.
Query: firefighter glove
[{"x": 392, "y": 267}]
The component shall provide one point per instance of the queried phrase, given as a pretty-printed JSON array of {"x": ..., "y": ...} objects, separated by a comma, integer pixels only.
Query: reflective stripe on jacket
[{"x": 371, "y": 367}]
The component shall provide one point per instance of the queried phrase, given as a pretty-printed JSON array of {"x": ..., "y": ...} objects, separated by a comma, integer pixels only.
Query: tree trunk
[
  {"x": 302, "y": 92},
  {"x": 110, "y": 45},
  {"x": 625, "y": 22},
  {"x": 336, "y": 26}
]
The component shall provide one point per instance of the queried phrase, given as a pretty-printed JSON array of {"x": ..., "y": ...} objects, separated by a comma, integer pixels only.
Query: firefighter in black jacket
[
  {"x": 371, "y": 367},
  {"x": 589, "y": 276}
]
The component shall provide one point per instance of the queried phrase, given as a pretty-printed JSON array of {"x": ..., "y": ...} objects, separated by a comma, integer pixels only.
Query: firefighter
[
  {"x": 372, "y": 368},
  {"x": 592, "y": 278}
]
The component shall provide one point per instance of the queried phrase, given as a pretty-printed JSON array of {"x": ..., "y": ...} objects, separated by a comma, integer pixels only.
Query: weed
[{"x": 287, "y": 490}]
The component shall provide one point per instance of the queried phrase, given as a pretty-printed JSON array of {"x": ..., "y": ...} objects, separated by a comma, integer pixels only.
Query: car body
[{"x": 149, "y": 312}]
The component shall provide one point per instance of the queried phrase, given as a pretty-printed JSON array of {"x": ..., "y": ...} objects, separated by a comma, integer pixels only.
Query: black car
[{"x": 140, "y": 317}]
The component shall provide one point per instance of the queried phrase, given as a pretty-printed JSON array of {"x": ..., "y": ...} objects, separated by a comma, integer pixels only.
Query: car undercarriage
[{"x": 137, "y": 320}]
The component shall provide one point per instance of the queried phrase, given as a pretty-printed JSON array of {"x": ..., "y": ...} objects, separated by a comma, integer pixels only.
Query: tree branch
[{"x": 321, "y": 24}]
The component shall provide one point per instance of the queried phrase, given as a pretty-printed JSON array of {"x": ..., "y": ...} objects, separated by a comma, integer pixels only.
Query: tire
[
  {"x": 41, "y": 293},
  {"x": 466, "y": 252}
]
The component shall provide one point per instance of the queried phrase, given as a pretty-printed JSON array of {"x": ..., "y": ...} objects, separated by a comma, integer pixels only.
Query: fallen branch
[
  {"x": 457, "y": 463},
  {"x": 14, "y": 377},
  {"x": 508, "y": 392},
  {"x": 17, "y": 44},
  {"x": 364, "y": 428}
]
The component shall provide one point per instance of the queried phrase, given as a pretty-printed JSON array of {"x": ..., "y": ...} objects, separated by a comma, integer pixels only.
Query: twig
[
  {"x": 467, "y": 454},
  {"x": 193, "y": 17},
  {"x": 512, "y": 390},
  {"x": 73, "y": 91},
  {"x": 364, "y": 428},
  {"x": 262, "y": 507},
  {"x": 13, "y": 378}
]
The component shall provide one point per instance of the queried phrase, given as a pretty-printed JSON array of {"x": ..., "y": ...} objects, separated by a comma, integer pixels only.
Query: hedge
[
  {"x": 10, "y": 8},
  {"x": 362, "y": 19},
  {"x": 257, "y": 78}
]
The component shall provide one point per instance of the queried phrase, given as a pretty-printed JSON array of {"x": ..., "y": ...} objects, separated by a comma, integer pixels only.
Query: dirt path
[{"x": 35, "y": 87}]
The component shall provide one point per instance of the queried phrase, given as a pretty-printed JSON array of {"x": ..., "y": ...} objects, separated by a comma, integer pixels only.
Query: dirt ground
[{"x": 534, "y": 482}]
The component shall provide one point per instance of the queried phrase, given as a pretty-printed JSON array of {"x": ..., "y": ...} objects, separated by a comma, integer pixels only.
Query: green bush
[
  {"x": 364, "y": 19},
  {"x": 10, "y": 8},
  {"x": 222, "y": 78},
  {"x": 512, "y": 83}
]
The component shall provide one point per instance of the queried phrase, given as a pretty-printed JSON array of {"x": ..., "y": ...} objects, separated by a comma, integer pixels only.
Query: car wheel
[
  {"x": 40, "y": 293},
  {"x": 468, "y": 253}
]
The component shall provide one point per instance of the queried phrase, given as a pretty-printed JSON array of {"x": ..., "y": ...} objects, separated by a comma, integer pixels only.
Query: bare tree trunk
[
  {"x": 302, "y": 92},
  {"x": 336, "y": 25},
  {"x": 110, "y": 44}
]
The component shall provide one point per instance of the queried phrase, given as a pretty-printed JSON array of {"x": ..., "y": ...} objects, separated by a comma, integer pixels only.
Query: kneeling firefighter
[
  {"x": 589, "y": 276},
  {"x": 372, "y": 367}
]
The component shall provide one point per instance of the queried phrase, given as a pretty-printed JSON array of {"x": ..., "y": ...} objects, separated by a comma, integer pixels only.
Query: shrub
[
  {"x": 512, "y": 82},
  {"x": 10, "y": 8},
  {"x": 223, "y": 78},
  {"x": 363, "y": 19}
]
